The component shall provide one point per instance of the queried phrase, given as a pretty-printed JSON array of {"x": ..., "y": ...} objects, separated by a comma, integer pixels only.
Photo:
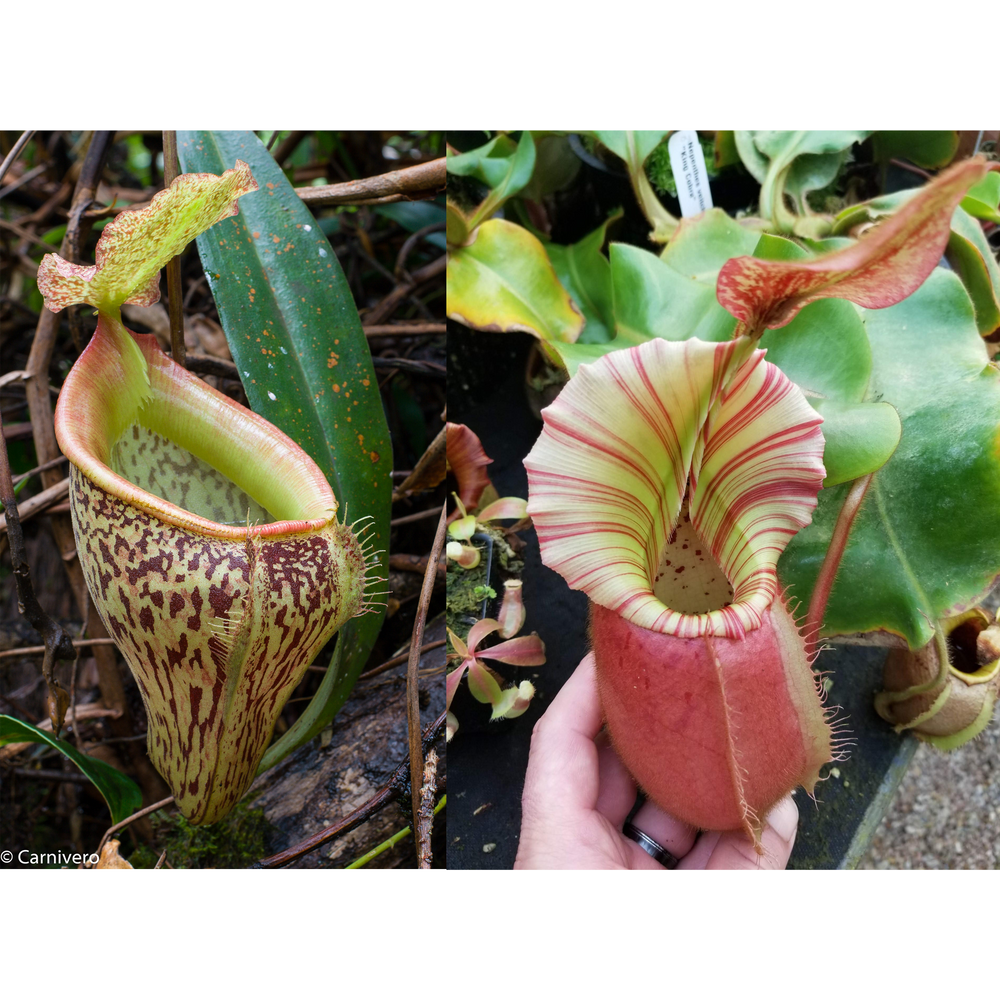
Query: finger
[
  {"x": 562, "y": 774},
  {"x": 670, "y": 833},
  {"x": 616, "y": 789},
  {"x": 733, "y": 851},
  {"x": 576, "y": 709}
]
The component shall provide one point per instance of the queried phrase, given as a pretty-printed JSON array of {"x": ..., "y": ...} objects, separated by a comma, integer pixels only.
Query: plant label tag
[{"x": 688, "y": 164}]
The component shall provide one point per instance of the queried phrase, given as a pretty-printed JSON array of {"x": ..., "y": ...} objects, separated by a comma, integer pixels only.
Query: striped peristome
[{"x": 634, "y": 435}]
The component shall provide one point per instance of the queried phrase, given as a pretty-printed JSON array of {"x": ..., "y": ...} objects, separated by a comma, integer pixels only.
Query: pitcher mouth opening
[
  {"x": 688, "y": 578},
  {"x": 673, "y": 444},
  {"x": 691, "y": 591},
  {"x": 136, "y": 443}
]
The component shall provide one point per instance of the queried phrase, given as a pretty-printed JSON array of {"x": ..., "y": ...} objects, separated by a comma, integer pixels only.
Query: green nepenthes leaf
[
  {"x": 931, "y": 150},
  {"x": 586, "y": 274},
  {"x": 889, "y": 264},
  {"x": 296, "y": 338},
  {"x": 652, "y": 299},
  {"x": 120, "y": 792},
  {"x": 634, "y": 148},
  {"x": 505, "y": 167},
  {"x": 703, "y": 244},
  {"x": 502, "y": 280},
  {"x": 871, "y": 211},
  {"x": 860, "y": 438},
  {"x": 489, "y": 163},
  {"x": 924, "y": 544},
  {"x": 971, "y": 257},
  {"x": 134, "y": 247},
  {"x": 792, "y": 162},
  {"x": 983, "y": 199}
]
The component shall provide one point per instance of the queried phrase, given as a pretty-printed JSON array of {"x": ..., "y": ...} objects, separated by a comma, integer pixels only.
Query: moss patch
[{"x": 235, "y": 842}]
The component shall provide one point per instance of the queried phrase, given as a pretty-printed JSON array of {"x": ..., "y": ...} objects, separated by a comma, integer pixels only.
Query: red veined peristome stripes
[{"x": 631, "y": 432}]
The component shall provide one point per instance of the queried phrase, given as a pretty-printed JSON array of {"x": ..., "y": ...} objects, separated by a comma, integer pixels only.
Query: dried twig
[
  {"x": 41, "y": 215},
  {"x": 15, "y": 432},
  {"x": 428, "y": 368},
  {"x": 18, "y": 231},
  {"x": 35, "y": 650},
  {"x": 419, "y": 516},
  {"x": 287, "y": 146},
  {"x": 28, "y": 175},
  {"x": 39, "y": 502},
  {"x": 397, "y": 660},
  {"x": 72, "y": 685},
  {"x": 425, "y": 817},
  {"x": 412, "y": 693},
  {"x": 424, "y": 180},
  {"x": 83, "y": 198},
  {"x": 129, "y": 820},
  {"x": 408, "y": 563},
  {"x": 171, "y": 168},
  {"x": 206, "y": 364},
  {"x": 400, "y": 272},
  {"x": 384, "y": 309},
  {"x": 44, "y": 467},
  {"x": 15, "y": 152},
  {"x": 41, "y": 774},
  {"x": 418, "y": 329}
]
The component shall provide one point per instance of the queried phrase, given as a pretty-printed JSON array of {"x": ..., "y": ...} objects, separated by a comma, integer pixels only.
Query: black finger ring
[{"x": 650, "y": 846}]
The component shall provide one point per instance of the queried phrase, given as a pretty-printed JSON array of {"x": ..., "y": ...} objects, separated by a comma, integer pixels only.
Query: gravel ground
[{"x": 946, "y": 813}]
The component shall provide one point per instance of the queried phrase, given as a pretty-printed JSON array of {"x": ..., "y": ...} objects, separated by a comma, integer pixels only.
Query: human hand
[{"x": 577, "y": 795}]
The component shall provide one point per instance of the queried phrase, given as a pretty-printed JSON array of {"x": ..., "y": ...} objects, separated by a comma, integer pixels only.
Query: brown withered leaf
[{"x": 110, "y": 858}]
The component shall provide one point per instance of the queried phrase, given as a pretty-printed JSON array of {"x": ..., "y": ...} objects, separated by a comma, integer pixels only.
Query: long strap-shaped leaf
[
  {"x": 296, "y": 338},
  {"x": 609, "y": 474}
]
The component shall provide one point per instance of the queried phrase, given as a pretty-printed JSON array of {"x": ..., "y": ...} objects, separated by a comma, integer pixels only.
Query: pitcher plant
[{"x": 208, "y": 538}]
